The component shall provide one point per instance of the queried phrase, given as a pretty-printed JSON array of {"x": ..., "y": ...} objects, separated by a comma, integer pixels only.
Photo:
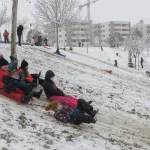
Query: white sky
[{"x": 102, "y": 11}]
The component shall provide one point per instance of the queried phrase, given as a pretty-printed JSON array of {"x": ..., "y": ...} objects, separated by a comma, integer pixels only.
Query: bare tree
[
  {"x": 3, "y": 16},
  {"x": 56, "y": 12}
]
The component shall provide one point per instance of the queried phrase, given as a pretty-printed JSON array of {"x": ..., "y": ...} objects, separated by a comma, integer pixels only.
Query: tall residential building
[
  {"x": 77, "y": 33},
  {"x": 102, "y": 31}
]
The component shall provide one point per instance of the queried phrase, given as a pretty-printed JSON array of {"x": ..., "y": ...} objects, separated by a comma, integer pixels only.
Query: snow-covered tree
[
  {"x": 57, "y": 13},
  {"x": 147, "y": 42},
  {"x": 111, "y": 41},
  {"x": 115, "y": 39},
  {"x": 135, "y": 44}
]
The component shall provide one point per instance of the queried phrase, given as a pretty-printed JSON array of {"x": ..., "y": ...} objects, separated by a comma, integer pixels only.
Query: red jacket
[
  {"x": 5, "y": 34},
  {"x": 2, "y": 74},
  {"x": 15, "y": 96}
]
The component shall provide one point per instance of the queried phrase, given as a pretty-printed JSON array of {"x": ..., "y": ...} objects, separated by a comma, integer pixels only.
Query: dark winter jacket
[
  {"x": 13, "y": 85},
  {"x": 49, "y": 86},
  {"x": 142, "y": 60},
  {"x": 24, "y": 75},
  {"x": 19, "y": 30},
  {"x": 64, "y": 115}
]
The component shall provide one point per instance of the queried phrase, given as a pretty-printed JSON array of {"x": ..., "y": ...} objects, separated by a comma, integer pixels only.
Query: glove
[{"x": 76, "y": 110}]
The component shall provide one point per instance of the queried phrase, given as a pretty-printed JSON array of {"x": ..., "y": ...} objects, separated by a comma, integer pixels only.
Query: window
[{"x": 125, "y": 25}]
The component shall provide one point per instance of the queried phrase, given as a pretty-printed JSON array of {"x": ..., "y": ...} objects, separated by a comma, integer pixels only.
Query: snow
[{"x": 122, "y": 98}]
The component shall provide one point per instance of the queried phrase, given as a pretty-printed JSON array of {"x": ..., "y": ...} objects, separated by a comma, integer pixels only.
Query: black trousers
[
  {"x": 35, "y": 78},
  {"x": 142, "y": 65},
  {"x": 84, "y": 106},
  {"x": 6, "y": 39},
  {"x": 19, "y": 39},
  {"x": 79, "y": 118}
]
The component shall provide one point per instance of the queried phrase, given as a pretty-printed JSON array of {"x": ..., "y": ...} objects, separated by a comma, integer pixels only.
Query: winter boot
[
  {"x": 90, "y": 102},
  {"x": 37, "y": 94},
  {"x": 94, "y": 120},
  {"x": 93, "y": 113},
  {"x": 27, "y": 98}
]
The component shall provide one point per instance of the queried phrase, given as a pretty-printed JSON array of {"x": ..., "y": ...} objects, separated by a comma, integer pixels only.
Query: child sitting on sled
[
  {"x": 67, "y": 114},
  {"x": 54, "y": 93},
  {"x": 15, "y": 85}
]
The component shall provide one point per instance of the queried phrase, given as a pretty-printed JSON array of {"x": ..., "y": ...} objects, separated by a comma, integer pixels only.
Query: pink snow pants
[{"x": 68, "y": 100}]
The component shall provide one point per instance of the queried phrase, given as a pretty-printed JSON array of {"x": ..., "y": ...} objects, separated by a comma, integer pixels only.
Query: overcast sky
[{"x": 102, "y": 11}]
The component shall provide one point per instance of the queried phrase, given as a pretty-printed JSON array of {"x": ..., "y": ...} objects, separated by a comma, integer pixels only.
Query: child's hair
[{"x": 13, "y": 72}]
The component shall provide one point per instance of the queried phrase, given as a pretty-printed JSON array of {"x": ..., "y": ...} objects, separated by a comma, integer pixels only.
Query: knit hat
[
  {"x": 1, "y": 56},
  {"x": 53, "y": 105},
  {"x": 24, "y": 64},
  {"x": 49, "y": 74},
  {"x": 3, "y": 62}
]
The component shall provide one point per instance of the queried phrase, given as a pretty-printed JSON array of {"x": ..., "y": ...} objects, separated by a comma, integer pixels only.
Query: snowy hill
[{"x": 122, "y": 98}]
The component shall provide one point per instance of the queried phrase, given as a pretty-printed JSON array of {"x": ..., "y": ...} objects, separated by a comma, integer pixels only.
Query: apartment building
[
  {"x": 102, "y": 31},
  {"x": 78, "y": 33}
]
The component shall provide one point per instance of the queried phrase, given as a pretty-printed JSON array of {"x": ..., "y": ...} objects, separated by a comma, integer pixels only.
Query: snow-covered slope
[{"x": 122, "y": 97}]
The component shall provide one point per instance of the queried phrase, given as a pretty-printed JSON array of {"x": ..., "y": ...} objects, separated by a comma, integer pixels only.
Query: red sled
[
  {"x": 47, "y": 47},
  {"x": 108, "y": 71},
  {"x": 12, "y": 95}
]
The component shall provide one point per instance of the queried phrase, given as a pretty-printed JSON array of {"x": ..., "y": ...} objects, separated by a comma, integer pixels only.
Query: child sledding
[
  {"x": 18, "y": 84},
  {"x": 15, "y": 87},
  {"x": 68, "y": 103},
  {"x": 75, "y": 116}
]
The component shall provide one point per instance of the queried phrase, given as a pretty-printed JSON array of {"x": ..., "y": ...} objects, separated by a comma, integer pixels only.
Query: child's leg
[
  {"x": 65, "y": 101},
  {"x": 84, "y": 106},
  {"x": 79, "y": 118}
]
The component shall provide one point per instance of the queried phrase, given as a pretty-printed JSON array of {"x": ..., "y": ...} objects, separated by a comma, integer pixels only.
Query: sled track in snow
[
  {"x": 116, "y": 127},
  {"x": 140, "y": 82}
]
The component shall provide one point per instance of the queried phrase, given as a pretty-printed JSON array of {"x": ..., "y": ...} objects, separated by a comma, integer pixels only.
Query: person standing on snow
[
  {"x": 101, "y": 49},
  {"x": 6, "y": 36},
  {"x": 116, "y": 64},
  {"x": 45, "y": 41},
  {"x": 142, "y": 62},
  {"x": 19, "y": 34}
]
